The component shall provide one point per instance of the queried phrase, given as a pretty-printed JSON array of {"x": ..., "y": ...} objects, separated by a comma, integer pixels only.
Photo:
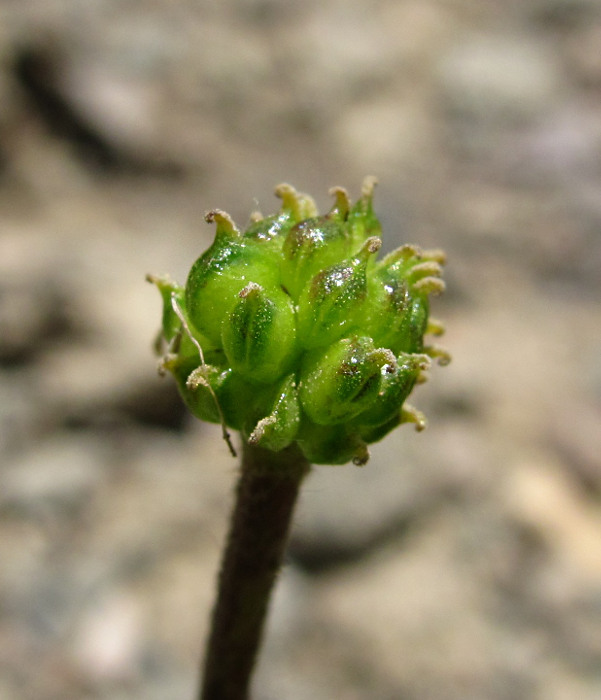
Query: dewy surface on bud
[{"x": 292, "y": 330}]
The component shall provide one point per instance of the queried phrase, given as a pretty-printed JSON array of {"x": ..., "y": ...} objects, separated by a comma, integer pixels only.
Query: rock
[
  {"x": 497, "y": 78},
  {"x": 345, "y": 512},
  {"x": 57, "y": 475}
]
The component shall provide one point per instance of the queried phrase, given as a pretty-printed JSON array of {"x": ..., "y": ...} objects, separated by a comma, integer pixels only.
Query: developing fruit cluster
[{"x": 293, "y": 330}]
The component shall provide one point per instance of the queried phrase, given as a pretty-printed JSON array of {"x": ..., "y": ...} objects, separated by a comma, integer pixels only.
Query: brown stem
[{"x": 267, "y": 491}]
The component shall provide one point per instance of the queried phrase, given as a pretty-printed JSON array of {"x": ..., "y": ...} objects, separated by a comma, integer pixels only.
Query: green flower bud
[
  {"x": 330, "y": 305},
  {"x": 395, "y": 386},
  {"x": 272, "y": 230},
  {"x": 180, "y": 344},
  {"x": 314, "y": 244},
  {"x": 171, "y": 324},
  {"x": 332, "y": 444},
  {"x": 204, "y": 388},
  {"x": 344, "y": 380},
  {"x": 362, "y": 221},
  {"x": 398, "y": 307},
  {"x": 301, "y": 206},
  {"x": 269, "y": 231},
  {"x": 218, "y": 394},
  {"x": 406, "y": 414},
  {"x": 279, "y": 428},
  {"x": 291, "y": 331},
  {"x": 217, "y": 277},
  {"x": 259, "y": 335}
]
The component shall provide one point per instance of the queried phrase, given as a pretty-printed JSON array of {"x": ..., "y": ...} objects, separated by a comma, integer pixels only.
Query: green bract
[{"x": 293, "y": 331}]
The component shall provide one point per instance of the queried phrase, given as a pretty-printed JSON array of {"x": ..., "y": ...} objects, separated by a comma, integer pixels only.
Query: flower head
[{"x": 293, "y": 330}]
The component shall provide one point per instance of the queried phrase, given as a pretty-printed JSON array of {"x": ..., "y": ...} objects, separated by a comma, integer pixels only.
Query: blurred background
[{"x": 460, "y": 563}]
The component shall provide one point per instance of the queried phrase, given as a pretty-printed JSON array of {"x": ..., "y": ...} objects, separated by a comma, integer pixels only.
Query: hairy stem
[{"x": 267, "y": 491}]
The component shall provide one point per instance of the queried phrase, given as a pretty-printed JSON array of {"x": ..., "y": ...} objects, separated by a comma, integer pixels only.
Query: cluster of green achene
[{"x": 293, "y": 330}]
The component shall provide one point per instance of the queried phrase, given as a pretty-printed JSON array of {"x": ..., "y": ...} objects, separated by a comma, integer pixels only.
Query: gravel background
[{"x": 461, "y": 563}]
